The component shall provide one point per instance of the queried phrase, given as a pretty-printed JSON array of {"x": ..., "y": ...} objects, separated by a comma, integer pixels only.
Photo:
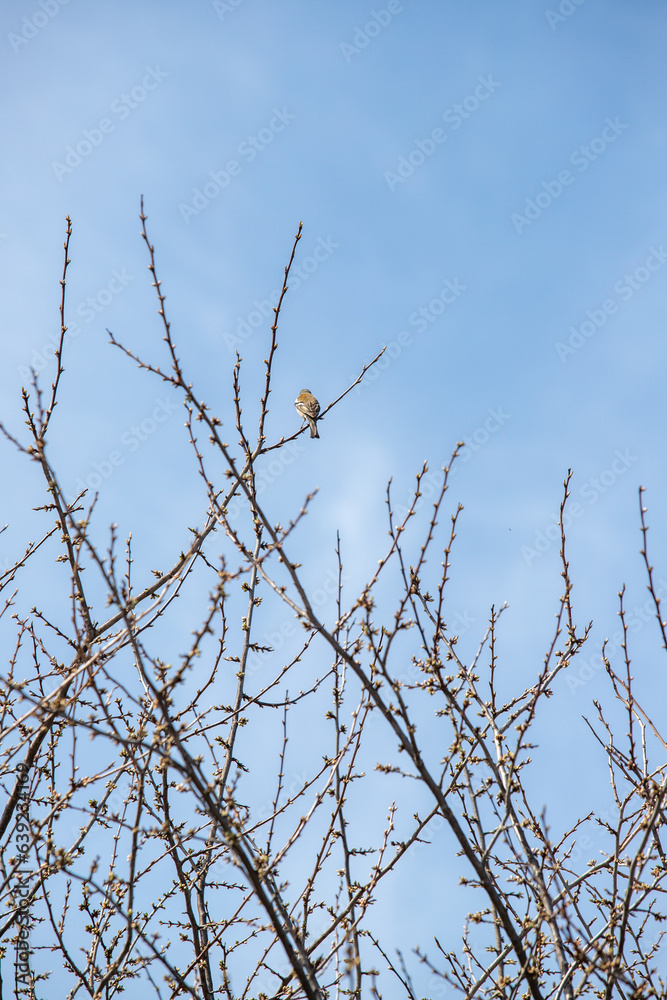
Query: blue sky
[{"x": 482, "y": 189}]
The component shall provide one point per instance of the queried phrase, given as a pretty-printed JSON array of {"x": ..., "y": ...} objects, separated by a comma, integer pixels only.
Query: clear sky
[{"x": 482, "y": 188}]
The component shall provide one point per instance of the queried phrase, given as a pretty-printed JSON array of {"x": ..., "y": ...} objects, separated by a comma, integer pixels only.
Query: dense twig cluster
[{"x": 148, "y": 864}]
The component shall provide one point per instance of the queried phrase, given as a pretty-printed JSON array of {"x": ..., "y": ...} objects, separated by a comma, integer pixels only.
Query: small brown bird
[{"x": 308, "y": 408}]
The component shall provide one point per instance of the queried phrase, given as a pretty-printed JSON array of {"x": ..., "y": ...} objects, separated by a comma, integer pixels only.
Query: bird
[{"x": 308, "y": 408}]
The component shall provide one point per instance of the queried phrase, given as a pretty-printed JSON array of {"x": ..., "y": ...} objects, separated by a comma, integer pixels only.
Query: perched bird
[{"x": 308, "y": 407}]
